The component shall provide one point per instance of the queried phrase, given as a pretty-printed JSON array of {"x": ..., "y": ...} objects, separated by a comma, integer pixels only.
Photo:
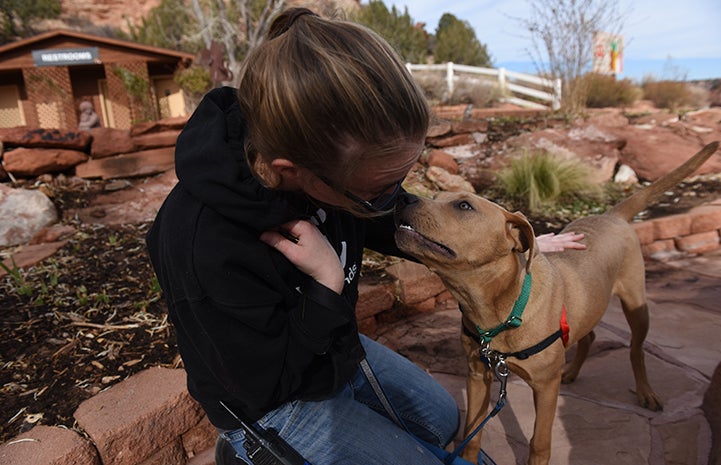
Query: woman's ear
[{"x": 287, "y": 173}]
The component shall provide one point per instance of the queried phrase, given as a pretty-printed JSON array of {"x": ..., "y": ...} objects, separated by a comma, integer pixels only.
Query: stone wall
[
  {"x": 99, "y": 153},
  {"x": 696, "y": 231}
]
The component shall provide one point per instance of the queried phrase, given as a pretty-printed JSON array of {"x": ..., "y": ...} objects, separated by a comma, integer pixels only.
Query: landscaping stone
[
  {"x": 29, "y": 162},
  {"x": 132, "y": 420},
  {"x": 23, "y": 213},
  {"x": 49, "y": 445},
  {"x": 110, "y": 141}
]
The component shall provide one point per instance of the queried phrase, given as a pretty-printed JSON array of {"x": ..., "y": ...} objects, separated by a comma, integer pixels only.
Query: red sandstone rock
[
  {"x": 593, "y": 146},
  {"x": 130, "y": 421},
  {"x": 656, "y": 151},
  {"x": 374, "y": 298},
  {"x": 417, "y": 283},
  {"x": 36, "y": 161},
  {"x": 156, "y": 139},
  {"x": 705, "y": 218},
  {"x": 143, "y": 163},
  {"x": 698, "y": 243},
  {"x": 110, "y": 141},
  {"x": 48, "y": 445},
  {"x": 644, "y": 231},
  {"x": 199, "y": 438},
  {"x": 439, "y": 129},
  {"x": 166, "y": 124},
  {"x": 29, "y": 255},
  {"x": 449, "y": 141},
  {"x": 46, "y": 138},
  {"x": 443, "y": 160},
  {"x": 672, "y": 226}
]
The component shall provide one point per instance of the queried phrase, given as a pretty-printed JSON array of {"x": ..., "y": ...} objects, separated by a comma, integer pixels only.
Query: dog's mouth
[{"x": 410, "y": 240}]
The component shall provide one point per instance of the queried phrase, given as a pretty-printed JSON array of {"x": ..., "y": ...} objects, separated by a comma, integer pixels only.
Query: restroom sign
[
  {"x": 607, "y": 53},
  {"x": 66, "y": 56}
]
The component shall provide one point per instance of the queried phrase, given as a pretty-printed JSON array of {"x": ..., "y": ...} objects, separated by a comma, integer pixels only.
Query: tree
[
  {"x": 17, "y": 16},
  {"x": 207, "y": 25},
  {"x": 562, "y": 41},
  {"x": 408, "y": 39},
  {"x": 456, "y": 42},
  {"x": 169, "y": 25},
  {"x": 239, "y": 26}
]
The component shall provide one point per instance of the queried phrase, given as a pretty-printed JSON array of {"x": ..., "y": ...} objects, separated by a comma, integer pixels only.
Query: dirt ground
[{"x": 93, "y": 314}]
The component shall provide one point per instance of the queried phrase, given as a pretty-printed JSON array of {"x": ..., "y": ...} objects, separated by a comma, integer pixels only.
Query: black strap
[{"x": 524, "y": 354}]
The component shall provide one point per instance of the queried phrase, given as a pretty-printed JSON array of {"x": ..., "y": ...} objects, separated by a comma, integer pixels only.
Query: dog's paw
[
  {"x": 648, "y": 399},
  {"x": 568, "y": 377}
]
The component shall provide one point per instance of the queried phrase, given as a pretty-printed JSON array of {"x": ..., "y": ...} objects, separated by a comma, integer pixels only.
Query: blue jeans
[{"x": 352, "y": 428}]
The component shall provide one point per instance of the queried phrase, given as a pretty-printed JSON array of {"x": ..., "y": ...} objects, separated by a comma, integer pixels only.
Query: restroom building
[{"x": 45, "y": 78}]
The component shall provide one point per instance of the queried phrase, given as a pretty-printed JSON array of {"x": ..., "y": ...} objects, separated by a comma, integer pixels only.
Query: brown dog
[{"x": 483, "y": 254}]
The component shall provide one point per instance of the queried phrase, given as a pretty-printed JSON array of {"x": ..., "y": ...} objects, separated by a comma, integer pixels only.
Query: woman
[{"x": 258, "y": 248}]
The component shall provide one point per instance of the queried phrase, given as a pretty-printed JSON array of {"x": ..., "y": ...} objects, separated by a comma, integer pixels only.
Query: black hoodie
[{"x": 253, "y": 331}]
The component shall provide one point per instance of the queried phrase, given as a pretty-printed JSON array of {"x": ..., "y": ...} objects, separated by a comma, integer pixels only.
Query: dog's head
[{"x": 457, "y": 231}]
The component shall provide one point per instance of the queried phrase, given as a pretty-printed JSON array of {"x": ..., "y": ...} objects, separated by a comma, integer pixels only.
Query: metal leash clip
[{"x": 501, "y": 370}]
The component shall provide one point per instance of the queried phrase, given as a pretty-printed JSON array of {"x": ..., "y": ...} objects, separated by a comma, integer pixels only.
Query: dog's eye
[{"x": 464, "y": 205}]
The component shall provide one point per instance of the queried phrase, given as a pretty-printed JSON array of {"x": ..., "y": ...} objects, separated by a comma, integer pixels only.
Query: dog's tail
[{"x": 629, "y": 207}]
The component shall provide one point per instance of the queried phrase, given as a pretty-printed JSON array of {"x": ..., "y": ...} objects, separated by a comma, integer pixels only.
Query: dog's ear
[{"x": 522, "y": 234}]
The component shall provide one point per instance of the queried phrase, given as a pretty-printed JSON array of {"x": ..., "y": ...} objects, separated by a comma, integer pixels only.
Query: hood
[{"x": 210, "y": 164}]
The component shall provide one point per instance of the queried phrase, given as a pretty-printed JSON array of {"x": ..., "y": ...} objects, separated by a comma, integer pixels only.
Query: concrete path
[{"x": 598, "y": 419}]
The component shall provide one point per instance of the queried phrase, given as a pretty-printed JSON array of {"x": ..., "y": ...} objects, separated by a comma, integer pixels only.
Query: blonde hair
[{"x": 327, "y": 95}]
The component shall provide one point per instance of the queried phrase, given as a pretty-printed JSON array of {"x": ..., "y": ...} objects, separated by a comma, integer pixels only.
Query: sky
[{"x": 662, "y": 39}]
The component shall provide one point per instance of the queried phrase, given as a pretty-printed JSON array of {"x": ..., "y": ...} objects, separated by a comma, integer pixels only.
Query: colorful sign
[{"x": 607, "y": 53}]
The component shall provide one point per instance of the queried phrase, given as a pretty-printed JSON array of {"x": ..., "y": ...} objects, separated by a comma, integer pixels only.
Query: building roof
[{"x": 17, "y": 54}]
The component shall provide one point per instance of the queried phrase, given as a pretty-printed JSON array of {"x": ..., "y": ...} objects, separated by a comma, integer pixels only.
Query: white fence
[{"x": 510, "y": 83}]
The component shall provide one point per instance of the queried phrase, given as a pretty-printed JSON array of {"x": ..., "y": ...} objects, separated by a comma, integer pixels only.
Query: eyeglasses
[{"x": 379, "y": 204}]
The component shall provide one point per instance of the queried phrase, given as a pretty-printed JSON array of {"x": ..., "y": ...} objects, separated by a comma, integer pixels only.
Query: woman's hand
[
  {"x": 559, "y": 242},
  {"x": 303, "y": 244}
]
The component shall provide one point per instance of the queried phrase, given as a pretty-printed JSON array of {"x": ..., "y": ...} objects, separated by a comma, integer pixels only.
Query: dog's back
[{"x": 610, "y": 235}]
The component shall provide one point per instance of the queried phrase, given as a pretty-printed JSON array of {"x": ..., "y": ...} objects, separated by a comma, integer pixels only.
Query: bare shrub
[
  {"x": 670, "y": 94},
  {"x": 479, "y": 92},
  {"x": 434, "y": 86},
  {"x": 607, "y": 91}
]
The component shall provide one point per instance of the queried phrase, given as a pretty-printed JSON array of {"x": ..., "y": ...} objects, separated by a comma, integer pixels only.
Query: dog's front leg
[
  {"x": 478, "y": 395},
  {"x": 545, "y": 398}
]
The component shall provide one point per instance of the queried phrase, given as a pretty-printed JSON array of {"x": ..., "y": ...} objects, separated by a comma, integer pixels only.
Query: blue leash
[{"x": 449, "y": 458}]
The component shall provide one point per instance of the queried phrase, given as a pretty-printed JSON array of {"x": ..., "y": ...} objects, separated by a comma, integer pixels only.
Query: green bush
[
  {"x": 194, "y": 80},
  {"x": 607, "y": 91},
  {"x": 539, "y": 180}
]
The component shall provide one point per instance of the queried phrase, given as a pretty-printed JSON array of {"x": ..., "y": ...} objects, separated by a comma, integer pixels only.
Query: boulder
[
  {"x": 654, "y": 152},
  {"x": 23, "y": 213},
  {"x": 47, "y": 138},
  {"x": 155, "y": 140},
  {"x": 110, "y": 141},
  {"x": 50, "y": 445},
  {"x": 447, "y": 181},
  {"x": 443, "y": 160},
  {"x": 144, "y": 163},
  {"x": 587, "y": 143},
  {"x": 36, "y": 161},
  {"x": 166, "y": 124}
]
